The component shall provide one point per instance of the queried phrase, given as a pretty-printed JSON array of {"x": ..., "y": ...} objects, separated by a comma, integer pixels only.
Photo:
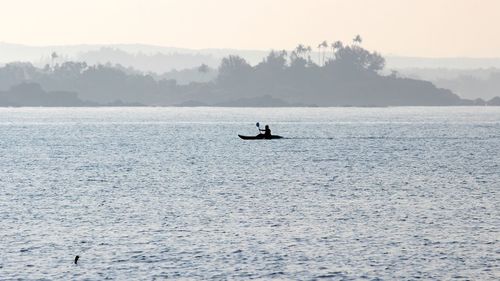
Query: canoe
[{"x": 259, "y": 137}]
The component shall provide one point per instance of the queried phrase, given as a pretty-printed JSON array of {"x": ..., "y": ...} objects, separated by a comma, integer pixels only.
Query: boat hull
[{"x": 259, "y": 137}]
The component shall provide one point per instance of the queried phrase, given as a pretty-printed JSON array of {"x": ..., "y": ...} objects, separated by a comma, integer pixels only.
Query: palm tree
[
  {"x": 319, "y": 53},
  {"x": 324, "y": 45},
  {"x": 357, "y": 39},
  {"x": 336, "y": 46},
  {"x": 300, "y": 49},
  {"x": 308, "y": 51},
  {"x": 53, "y": 57}
]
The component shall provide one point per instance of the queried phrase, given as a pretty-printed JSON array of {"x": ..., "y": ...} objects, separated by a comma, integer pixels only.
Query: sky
[{"x": 422, "y": 28}]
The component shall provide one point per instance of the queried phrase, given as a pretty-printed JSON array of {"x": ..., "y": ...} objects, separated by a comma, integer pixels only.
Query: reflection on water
[{"x": 139, "y": 193}]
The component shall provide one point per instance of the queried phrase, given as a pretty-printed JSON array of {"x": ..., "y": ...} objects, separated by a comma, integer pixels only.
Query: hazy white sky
[{"x": 403, "y": 27}]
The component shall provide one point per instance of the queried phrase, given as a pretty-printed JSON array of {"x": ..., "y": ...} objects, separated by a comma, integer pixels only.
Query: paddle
[{"x": 258, "y": 126}]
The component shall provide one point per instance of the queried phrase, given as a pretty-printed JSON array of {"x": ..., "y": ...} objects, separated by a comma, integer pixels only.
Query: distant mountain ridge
[
  {"x": 348, "y": 75},
  {"x": 126, "y": 55},
  {"x": 40, "y": 55}
]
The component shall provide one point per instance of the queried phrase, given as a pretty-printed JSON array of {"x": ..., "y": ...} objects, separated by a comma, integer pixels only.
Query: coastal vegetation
[{"x": 341, "y": 75}]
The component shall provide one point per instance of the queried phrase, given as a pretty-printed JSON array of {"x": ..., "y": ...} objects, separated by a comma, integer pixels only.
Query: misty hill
[
  {"x": 433, "y": 74},
  {"x": 31, "y": 94},
  {"x": 346, "y": 75},
  {"x": 202, "y": 73},
  {"x": 141, "y": 57},
  {"x": 470, "y": 83},
  {"x": 468, "y": 77},
  {"x": 147, "y": 58},
  {"x": 156, "y": 63},
  {"x": 473, "y": 87},
  {"x": 457, "y": 63}
]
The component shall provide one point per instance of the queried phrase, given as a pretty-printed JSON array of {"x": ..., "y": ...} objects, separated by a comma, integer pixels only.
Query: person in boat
[{"x": 267, "y": 132}]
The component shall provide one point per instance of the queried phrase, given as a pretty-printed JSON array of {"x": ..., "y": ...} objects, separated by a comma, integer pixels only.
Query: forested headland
[{"x": 336, "y": 74}]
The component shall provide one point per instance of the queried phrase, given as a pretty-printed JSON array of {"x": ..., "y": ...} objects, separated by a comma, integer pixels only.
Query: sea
[{"x": 156, "y": 193}]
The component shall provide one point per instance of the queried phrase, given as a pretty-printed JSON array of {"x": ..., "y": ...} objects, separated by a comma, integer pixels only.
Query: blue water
[{"x": 157, "y": 193}]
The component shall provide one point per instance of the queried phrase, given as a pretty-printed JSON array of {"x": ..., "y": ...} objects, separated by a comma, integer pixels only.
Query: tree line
[{"x": 342, "y": 75}]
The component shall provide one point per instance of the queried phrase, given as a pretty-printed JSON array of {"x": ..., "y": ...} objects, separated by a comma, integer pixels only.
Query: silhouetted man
[{"x": 267, "y": 132}]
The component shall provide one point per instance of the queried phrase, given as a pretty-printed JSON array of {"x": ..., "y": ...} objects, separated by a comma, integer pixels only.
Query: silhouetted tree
[
  {"x": 324, "y": 45},
  {"x": 53, "y": 57},
  {"x": 308, "y": 52},
  {"x": 350, "y": 77},
  {"x": 335, "y": 46},
  {"x": 357, "y": 57},
  {"x": 319, "y": 53},
  {"x": 300, "y": 50},
  {"x": 357, "y": 39},
  {"x": 234, "y": 71},
  {"x": 275, "y": 61},
  {"x": 203, "y": 68}
]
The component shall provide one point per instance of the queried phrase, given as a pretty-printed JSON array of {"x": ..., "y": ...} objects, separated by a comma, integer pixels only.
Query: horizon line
[{"x": 227, "y": 49}]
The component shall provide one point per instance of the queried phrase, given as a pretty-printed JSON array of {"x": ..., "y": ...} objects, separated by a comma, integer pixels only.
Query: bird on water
[{"x": 76, "y": 259}]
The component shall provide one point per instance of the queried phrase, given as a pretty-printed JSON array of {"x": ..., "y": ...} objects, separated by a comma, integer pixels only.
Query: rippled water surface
[{"x": 157, "y": 193}]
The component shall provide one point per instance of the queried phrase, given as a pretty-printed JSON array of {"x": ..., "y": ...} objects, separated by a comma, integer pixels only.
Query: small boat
[{"x": 259, "y": 137}]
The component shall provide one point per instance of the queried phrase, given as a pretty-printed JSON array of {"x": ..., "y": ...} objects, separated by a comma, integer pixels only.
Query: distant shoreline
[{"x": 208, "y": 106}]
